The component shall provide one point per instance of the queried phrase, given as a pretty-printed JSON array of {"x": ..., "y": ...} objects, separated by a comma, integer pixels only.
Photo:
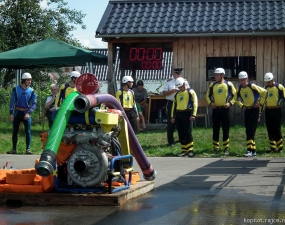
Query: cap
[
  {"x": 178, "y": 70},
  {"x": 140, "y": 82}
]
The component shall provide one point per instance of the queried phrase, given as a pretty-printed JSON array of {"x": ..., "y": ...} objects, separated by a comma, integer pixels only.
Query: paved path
[{"x": 188, "y": 191}]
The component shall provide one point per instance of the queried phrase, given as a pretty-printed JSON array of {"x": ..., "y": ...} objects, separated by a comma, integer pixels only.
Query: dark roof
[
  {"x": 101, "y": 70},
  {"x": 154, "y": 18}
]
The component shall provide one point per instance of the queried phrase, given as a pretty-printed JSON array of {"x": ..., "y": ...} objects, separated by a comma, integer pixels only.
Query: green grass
[{"x": 154, "y": 142}]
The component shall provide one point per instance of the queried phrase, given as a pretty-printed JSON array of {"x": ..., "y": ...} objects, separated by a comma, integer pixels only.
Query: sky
[{"x": 94, "y": 10}]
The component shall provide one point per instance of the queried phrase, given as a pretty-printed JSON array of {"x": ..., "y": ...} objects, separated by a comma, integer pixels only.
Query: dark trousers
[
  {"x": 170, "y": 126},
  {"x": 184, "y": 129},
  {"x": 250, "y": 121},
  {"x": 273, "y": 119},
  {"x": 18, "y": 118},
  {"x": 130, "y": 116},
  {"x": 49, "y": 117},
  {"x": 221, "y": 117}
]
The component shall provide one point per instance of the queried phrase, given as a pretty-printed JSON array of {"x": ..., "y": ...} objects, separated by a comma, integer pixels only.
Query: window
[{"x": 232, "y": 65}]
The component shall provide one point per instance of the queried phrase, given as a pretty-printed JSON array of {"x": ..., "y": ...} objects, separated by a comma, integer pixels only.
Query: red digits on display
[
  {"x": 150, "y": 58},
  {"x": 133, "y": 54}
]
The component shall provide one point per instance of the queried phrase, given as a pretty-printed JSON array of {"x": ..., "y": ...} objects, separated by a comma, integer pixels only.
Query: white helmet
[
  {"x": 127, "y": 79},
  {"x": 242, "y": 75},
  {"x": 26, "y": 76},
  {"x": 179, "y": 82},
  {"x": 74, "y": 74},
  {"x": 268, "y": 77},
  {"x": 219, "y": 71}
]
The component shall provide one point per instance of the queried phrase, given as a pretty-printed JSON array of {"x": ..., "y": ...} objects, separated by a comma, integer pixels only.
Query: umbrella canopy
[{"x": 49, "y": 53}]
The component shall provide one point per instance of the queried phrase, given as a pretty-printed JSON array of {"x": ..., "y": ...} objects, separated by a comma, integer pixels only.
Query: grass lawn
[{"x": 154, "y": 142}]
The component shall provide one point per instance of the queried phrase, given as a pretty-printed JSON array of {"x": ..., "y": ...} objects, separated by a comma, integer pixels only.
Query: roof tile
[{"x": 190, "y": 17}]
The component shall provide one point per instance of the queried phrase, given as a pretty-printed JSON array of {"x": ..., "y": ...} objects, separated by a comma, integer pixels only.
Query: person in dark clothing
[
  {"x": 169, "y": 91},
  {"x": 183, "y": 112},
  {"x": 127, "y": 99},
  {"x": 251, "y": 99},
  {"x": 273, "y": 112},
  {"x": 220, "y": 96}
]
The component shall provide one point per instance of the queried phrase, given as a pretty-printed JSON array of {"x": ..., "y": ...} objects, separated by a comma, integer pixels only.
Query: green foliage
[{"x": 25, "y": 22}]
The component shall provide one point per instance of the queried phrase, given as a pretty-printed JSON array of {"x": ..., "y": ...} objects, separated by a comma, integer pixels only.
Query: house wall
[{"x": 191, "y": 52}]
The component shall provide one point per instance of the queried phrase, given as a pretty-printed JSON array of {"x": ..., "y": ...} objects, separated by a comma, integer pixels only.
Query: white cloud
[{"x": 89, "y": 40}]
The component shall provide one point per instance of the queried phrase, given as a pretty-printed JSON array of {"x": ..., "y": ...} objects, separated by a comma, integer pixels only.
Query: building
[{"x": 201, "y": 35}]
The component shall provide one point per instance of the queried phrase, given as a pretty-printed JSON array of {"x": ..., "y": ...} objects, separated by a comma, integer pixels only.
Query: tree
[{"x": 23, "y": 22}]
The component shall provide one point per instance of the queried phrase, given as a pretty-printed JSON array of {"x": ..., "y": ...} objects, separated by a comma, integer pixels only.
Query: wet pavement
[{"x": 188, "y": 191}]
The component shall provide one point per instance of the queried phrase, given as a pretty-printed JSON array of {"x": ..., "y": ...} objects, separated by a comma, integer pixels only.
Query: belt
[
  {"x": 219, "y": 107},
  {"x": 185, "y": 110},
  {"x": 128, "y": 110},
  {"x": 20, "y": 109},
  {"x": 248, "y": 107},
  {"x": 273, "y": 107}
]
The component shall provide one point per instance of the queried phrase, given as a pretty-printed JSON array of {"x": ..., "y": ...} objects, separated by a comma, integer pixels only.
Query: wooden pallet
[{"x": 86, "y": 199}]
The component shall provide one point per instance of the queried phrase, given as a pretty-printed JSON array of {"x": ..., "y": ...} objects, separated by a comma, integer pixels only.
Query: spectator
[
  {"x": 169, "y": 91},
  {"x": 141, "y": 97},
  {"x": 125, "y": 96},
  {"x": 220, "y": 96},
  {"x": 251, "y": 99},
  {"x": 273, "y": 112},
  {"x": 22, "y": 104},
  {"x": 183, "y": 112},
  {"x": 141, "y": 118},
  {"x": 49, "y": 106}
]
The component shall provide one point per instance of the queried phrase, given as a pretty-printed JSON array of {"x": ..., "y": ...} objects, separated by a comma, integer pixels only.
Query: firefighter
[
  {"x": 220, "y": 96},
  {"x": 183, "y": 112},
  {"x": 169, "y": 91},
  {"x": 273, "y": 112},
  {"x": 125, "y": 96},
  {"x": 251, "y": 99}
]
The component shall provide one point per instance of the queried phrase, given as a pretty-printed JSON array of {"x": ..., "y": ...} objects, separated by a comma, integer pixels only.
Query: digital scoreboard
[{"x": 141, "y": 58}]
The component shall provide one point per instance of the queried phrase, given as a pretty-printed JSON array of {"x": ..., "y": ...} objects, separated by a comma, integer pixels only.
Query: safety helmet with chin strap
[
  {"x": 268, "y": 77},
  {"x": 179, "y": 82},
  {"x": 74, "y": 74},
  {"x": 26, "y": 76},
  {"x": 242, "y": 75},
  {"x": 127, "y": 79}
]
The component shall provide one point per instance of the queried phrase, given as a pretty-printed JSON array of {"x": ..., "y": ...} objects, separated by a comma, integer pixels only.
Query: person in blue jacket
[{"x": 22, "y": 104}]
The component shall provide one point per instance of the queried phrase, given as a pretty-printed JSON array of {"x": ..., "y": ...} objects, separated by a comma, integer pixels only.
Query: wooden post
[{"x": 110, "y": 78}]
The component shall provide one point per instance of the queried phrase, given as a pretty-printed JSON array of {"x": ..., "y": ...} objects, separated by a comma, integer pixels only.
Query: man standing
[
  {"x": 67, "y": 88},
  {"x": 22, "y": 104},
  {"x": 125, "y": 96},
  {"x": 49, "y": 106},
  {"x": 251, "y": 99},
  {"x": 273, "y": 112},
  {"x": 183, "y": 112},
  {"x": 141, "y": 97},
  {"x": 169, "y": 91},
  {"x": 220, "y": 96}
]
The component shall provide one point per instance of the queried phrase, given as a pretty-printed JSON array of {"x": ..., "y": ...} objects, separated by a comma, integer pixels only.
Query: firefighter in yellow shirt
[
  {"x": 273, "y": 112},
  {"x": 220, "y": 96},
  {"x": 251, "y": 99},
  {"x": 125, "y": 96},
  {"x": 184, "y": 109},
  {"x": 66, "y": 89}
]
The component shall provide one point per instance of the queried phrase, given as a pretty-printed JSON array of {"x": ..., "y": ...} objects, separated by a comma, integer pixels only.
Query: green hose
[{"x": 45, "y": 166}]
